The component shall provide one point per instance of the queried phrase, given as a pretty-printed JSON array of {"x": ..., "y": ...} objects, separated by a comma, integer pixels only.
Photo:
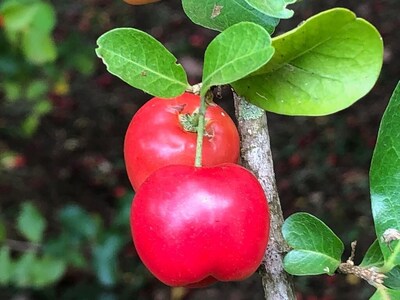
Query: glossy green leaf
[
  {"x": 47, "y": 270},
  {"x": 235, "y": 53},
  {"x": 385, "y": 179},
  {"x": 5, "y": 265},
  {"x": 392, "y": 280},
  {"x": 141, "y": 61},
  {"x": 225, "y": 13},
  {"x": 322, "y": 66},
  {"x": 373, "y": 257},
  {"x": 385, "y": 294},
  {"x": 105, "y": 256},
  {"x": 31, "y": 223},
  {"x": 273, "y": 8},
  {"x": 316, "y": 249}
]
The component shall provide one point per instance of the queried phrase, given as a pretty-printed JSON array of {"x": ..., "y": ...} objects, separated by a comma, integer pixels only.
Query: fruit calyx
[{"x": 190, "y": 123}]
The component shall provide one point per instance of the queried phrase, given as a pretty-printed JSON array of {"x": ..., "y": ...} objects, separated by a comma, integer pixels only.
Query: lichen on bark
[{"x": 256, "y": 155}]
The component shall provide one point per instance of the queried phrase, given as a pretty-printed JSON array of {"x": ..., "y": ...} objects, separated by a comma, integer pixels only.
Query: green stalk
[{"x": 200, "y": 132}]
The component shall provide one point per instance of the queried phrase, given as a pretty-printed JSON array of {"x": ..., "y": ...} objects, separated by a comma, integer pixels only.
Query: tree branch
[{"x": 257, "y": 156}]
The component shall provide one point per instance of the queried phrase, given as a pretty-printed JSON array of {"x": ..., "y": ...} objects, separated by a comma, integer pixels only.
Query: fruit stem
[{"x": 201, "y": 128}]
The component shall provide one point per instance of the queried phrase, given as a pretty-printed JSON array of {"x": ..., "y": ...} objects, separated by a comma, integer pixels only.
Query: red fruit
[
  {"x": 193, "y": 226},
  {"x": 156, "y": 138}
]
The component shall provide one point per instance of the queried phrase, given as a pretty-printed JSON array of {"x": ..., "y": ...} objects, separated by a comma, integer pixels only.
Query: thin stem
[
  {"x": 200, "y": 132},
  {"x": 21, "y": 246}
]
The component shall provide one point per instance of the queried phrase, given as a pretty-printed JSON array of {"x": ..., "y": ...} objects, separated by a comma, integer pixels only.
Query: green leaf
[
  {"x": 235, "y": 53},
  {"x": 385, "y": 179},
  {"x": 78, "y": 222},
  {"x": 392, "y": 280},
  {"x": 12, "y": 90},
  {"x": 74, "y": 256},
  {"x": 22, "y": 275},
  {"x": 373, "y": 257},
  {"x": 105, "y": 256},
  {"x": 22, "y": 15},
  {"x": 225, "y": 13},
  {"x": 31, "y": 223},
  {"x": 316, "y": 249},
  {"x": 36, "y": 89},
  {"x": 45, "y": 18},
  {"x": 30, "y": 124},
  {"x": 385, "y": 294},
  {"x": 322, "y": 66},
  {"x": 47, "y": 270},
  {"x": 18, "y": 15},
  {"x": 141, "y": 61},
  {"x": 5, "y": 265},
  {"x": 273, "y": 8},
  {"x": 38, "y": 47}
]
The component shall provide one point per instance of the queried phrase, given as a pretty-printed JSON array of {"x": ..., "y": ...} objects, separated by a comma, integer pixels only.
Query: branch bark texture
[{"x": 256, "y": 155}]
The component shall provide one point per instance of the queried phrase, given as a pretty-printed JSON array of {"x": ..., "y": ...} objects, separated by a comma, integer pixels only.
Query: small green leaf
[
  {"x": 23, "y": 266},
  {"x": 235, "y": 53},
  {"x": 385, "y": 294},
  {"x": 385, "y": 179},
  {"x": 5, "y": 265},
  {"x": 30, "y": 124},
  {"x": 36, "y": 89},
  {"x": 373, "y": 257},
  {"x": 18, "y": 15},
  {"x": 316, "y": 249},
  {"x": 392, "y": 280},
  {"x": 142, "y": 61},
  {"x": 78, "y": 222},
  {"x": 38, "y": 47},
  {"x": 74, "y": 256},
  {"x": 12, "y": 90},
  {"x": 322, "y": 66},
  {"x": 45, "y": 18},
  {"x": 105, "y": 256},
  {"x": 47, "y": 270},
  {"x": 31, "y": 223},
  {"x": 34, "y": 21},
  {"x": 225, "y": 13},
  {"x": 273, "y": 8}
]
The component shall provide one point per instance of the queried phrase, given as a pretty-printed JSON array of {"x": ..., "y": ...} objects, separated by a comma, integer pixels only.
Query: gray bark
[{"x": 256, "y": 155}]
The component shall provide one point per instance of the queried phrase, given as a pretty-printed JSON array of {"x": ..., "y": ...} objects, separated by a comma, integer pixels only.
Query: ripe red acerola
[
  {"x": 192, "y": 226},
  {"x": 156, "y": 137}
]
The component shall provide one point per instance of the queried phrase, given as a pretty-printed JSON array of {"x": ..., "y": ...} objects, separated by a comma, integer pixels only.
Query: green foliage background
[{"x": 61, "y": 130}]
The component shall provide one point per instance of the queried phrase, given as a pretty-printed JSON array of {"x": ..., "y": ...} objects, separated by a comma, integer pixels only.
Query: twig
[
  {"x": 21, "y": 246},
  {"x": 257, "y": 156},
  {"x": 371, "y": 274}
]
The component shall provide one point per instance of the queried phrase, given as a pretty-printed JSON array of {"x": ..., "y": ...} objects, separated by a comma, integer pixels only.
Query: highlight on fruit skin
[{"x": 140, "y": 2}]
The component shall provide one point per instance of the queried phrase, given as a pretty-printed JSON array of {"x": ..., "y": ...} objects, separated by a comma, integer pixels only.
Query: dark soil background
[{"x": 321, "y": 163}]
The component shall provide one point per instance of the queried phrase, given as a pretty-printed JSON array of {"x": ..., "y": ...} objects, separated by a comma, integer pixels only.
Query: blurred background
[{"x": 64, "y": 194}]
